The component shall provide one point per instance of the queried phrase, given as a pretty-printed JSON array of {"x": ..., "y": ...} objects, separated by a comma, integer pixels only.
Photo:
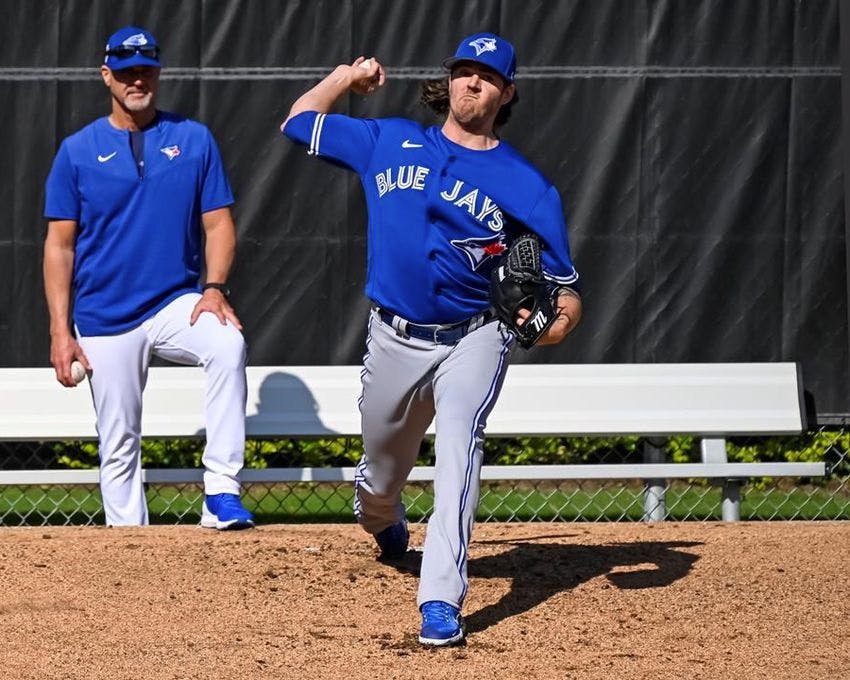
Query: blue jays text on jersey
[
  {"x": 139, "y": 243},
  {"x": 439, "y": 213},
  {"x": 413, "y": 177}
]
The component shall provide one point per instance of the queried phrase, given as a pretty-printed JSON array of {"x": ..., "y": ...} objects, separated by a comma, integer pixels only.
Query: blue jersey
[
  {"x": 139, "y": 237},
  {"x": 439, "y": 213}
]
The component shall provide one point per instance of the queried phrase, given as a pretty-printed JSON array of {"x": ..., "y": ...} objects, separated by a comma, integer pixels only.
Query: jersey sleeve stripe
[
  {"x": 317, "y": 134},
  {"x": 562, "y": 280}
]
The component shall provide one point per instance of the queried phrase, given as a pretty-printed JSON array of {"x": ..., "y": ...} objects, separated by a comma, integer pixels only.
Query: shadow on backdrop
[{"x": 284, "y": 400}]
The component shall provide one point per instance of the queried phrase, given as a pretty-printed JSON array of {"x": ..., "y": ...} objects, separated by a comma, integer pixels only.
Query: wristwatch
[{"x": 218, "y": 286}]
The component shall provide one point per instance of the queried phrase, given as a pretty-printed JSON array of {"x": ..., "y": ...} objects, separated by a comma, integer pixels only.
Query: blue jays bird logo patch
[
  {"x": 478, "y": 250},
  {"x": 171, "y": 151}
]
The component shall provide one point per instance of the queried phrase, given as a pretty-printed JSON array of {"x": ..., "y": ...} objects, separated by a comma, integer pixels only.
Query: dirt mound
[{"x": 748, "y": 600}]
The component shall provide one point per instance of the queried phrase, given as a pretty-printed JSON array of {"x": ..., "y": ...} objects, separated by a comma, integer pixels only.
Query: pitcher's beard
[{"x": 468, "y": 115}]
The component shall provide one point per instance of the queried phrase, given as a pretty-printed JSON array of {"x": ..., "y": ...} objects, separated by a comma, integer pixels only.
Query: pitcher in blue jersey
[
  {"x": 443, "y": 203},
  {"x": 138, "y": 206}
]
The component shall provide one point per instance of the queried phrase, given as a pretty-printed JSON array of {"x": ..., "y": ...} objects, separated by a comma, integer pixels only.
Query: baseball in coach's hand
[{"x": 78, "y": 371}]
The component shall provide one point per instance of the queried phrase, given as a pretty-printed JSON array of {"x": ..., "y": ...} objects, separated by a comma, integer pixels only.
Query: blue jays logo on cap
[
  {"x": 488, "y": 49},
  {"x": 131, "y": 46},
  {"x": 481, "y": 45}
]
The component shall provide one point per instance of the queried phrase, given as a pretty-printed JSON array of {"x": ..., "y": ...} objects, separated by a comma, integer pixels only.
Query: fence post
[
  {"x": 654, "y": 501},
  {"x": 730, "y": 509}
]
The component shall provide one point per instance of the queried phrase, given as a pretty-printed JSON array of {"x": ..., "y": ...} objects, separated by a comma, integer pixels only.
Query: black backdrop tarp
[{"x": 697, "y": 147}]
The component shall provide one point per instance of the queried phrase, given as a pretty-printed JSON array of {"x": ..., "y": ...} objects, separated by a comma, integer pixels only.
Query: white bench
[{"x": 712, "y": 401}]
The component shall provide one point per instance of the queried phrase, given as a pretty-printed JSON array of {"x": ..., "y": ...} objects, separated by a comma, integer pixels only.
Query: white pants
[{"x": 119, "y": 373}]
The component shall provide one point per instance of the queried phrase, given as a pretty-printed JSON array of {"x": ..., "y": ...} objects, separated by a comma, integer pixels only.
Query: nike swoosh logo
[
  {"x": 407, "y": 144},
  {"x": 103, "y": 159}
]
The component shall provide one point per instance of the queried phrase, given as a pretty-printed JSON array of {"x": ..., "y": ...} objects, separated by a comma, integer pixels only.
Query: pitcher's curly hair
[{"x": 435, "y": 95}]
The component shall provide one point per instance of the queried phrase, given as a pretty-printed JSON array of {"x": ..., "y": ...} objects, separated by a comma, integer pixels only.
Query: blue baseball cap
[
  {"x": 131, "y": 46},
  {"x": 488, "y": 49}
]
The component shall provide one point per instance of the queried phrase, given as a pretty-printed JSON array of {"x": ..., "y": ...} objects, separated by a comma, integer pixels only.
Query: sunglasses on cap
[{"x": 125, "y": 51}]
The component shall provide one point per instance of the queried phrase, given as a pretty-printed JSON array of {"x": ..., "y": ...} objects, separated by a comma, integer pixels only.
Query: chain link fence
[{"x": 825, "y": 498}]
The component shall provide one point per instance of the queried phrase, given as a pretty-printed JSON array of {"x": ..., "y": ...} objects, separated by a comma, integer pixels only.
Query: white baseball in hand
[
  {"x": 78, "y": 372},
  {"x": 367, "y": 64}
]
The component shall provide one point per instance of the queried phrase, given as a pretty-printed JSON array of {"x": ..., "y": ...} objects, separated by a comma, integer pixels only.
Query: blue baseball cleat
[
  {"x": 442, "y": 624},
  {"x": 393, "y": 540},
  {"x": 225, "y": 511}
]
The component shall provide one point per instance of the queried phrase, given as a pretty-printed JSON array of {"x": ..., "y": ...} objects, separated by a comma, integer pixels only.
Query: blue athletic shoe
[
  {"x": 393, "y": 540},
  {"x": 442, "y": 624},
  {"x": 225, "y": 511}
]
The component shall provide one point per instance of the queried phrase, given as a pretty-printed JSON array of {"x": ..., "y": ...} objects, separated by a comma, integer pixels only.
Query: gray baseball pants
[{"x": 407, "y": 383}]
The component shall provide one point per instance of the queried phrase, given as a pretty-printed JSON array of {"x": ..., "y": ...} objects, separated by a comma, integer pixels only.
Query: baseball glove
[{"x": 517, "y": 283}]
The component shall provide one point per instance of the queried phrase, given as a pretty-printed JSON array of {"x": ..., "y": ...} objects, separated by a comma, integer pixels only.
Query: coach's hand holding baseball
[{"x": 64, "y": 351}]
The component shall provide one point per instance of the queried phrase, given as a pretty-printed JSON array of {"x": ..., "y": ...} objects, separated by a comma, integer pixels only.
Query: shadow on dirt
[{"x": 540, "y": 570}]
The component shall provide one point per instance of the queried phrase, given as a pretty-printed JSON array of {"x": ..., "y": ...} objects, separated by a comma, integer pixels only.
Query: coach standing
[{"x": 138, "y": 205}]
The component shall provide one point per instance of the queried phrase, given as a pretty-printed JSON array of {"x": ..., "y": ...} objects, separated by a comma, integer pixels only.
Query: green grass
[
  {"x": 683, "y": 503},
  {"x": 323, "y": 503},
  {"x": 36, "y": 505}
]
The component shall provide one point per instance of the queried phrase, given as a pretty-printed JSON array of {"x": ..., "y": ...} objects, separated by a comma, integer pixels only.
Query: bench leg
[
  {"x": 713, "y": 450},
  {"x": 654, "y": 495},
  {"x": 731, "y": 505}
]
